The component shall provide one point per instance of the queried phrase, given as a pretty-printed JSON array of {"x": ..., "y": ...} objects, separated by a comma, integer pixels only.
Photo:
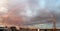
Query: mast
[{"x": 54, "y": 23}]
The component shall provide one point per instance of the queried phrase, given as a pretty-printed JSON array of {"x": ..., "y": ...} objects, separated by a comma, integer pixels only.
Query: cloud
[{"x": 39, "y": 10}]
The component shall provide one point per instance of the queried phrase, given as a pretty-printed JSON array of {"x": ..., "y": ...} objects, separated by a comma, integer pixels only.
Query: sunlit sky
[{"x": 35, "y": 7}]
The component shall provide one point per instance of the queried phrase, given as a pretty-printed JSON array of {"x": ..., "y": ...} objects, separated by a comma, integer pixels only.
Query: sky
[{"x": 33, "y": 12}]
